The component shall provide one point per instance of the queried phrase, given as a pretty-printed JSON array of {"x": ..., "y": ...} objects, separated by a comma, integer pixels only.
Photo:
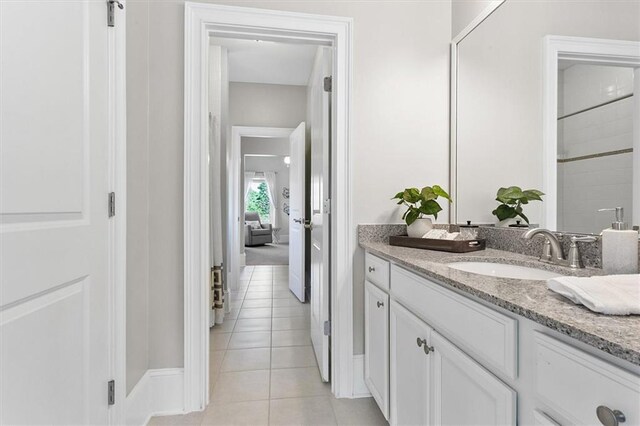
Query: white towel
[{"x": 610, "y": 294}]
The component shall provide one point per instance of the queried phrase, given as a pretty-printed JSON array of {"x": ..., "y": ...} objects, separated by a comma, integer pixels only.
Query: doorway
[{"x": 203, "y": 21}]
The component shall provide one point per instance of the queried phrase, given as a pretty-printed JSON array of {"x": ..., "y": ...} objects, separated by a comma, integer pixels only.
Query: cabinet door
[
  {"x": 464, "y": 393},
  {"x": 410, "y": 367},
  {"x": 376, "y": 345}
]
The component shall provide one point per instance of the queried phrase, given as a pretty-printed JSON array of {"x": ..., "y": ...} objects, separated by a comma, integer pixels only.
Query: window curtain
[
  {"x": 248, "y": 179},
  {"x": 270, "y": 178}
]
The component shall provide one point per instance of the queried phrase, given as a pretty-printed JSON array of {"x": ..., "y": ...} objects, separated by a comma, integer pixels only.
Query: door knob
[
  {"x": 609, "y": 417},
  {"x": 308, "y": 224},
  {"x": 297, "y": 220},
  {"x": 423, "y": 343},
  {"x": 380, "y": 304},
  {"x": 371, "y": 269}
]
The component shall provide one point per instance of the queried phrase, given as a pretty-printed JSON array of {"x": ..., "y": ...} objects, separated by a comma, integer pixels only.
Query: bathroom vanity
[{"x": 445, "y": 346}]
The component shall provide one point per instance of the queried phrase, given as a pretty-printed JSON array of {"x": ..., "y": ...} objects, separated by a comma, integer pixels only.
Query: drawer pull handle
[
  {"x": 427, "y": 349},
  {"x": 380, "y": 304},
  {"x": 609, "y": 417},
  {"x": 372, "y": 269}
]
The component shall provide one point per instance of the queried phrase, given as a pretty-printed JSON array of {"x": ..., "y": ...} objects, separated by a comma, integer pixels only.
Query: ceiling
[{"x": 268, "y": 62}]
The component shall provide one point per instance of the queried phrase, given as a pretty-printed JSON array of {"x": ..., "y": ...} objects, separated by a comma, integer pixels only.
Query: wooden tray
[{"x": 439, "y": 245}]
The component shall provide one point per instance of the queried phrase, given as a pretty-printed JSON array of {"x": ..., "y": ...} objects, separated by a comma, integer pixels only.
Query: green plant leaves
[
  {"x": 442, "y": 193},
  {"x": 512, "y": 199},
  {"x": 421, "y": 202}
]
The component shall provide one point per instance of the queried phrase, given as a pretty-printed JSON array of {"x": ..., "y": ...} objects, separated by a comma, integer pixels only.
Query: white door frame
[
  {"x": 117, "y": 231},
  {"x": 201, "y": 20},
  {"x": 234, "y": 218},
  {"x": 587, "y": 50}
]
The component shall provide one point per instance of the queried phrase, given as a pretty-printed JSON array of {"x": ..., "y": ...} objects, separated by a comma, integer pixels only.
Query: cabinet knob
[
  {"x": 423, "y": 343},
  {"x": 371, "y": 269},
  {"x": 609, "y": 417},
  {"x": 380, "y": 304}
]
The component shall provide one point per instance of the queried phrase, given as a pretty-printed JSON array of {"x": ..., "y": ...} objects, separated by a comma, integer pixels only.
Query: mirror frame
[
  {"x": 589, "y": 51},
  {"x": 453, "y": 105}
]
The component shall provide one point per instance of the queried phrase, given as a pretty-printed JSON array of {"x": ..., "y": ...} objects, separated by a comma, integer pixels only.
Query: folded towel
[
  {"x": 610, "y": 294},
  {"x": 436, "y": 234}
]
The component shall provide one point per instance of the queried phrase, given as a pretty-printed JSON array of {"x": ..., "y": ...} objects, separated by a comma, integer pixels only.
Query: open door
[
  {"x": 320, "y": 108},
  {"x": 54, "y": 216},
  {"x": 297, "y": 211}
]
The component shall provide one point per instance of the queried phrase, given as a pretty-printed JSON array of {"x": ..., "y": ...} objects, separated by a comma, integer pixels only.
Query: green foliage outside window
[{"x": 258, "y": 201}]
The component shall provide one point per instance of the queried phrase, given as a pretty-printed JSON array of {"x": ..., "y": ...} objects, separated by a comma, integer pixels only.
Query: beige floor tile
[
  {"x": 253, "y": 324},
  {"x": 233, "y": 314},
  {"x": 294, "y": 323},
  {"x": 259, "y": 289},
  {"x": 225, "y": 327},
  {"x": 242, "y": 386},
  {"x": 261, "y": 283},
  {"x": 357, "y": 412},
  {"x": 297, "y": 382},
  {"x": 256, "y": 339},
  {"x": 302, "y": 411},
  {"x": 290, "y": 311},
  {"x": 219, "y": 341},
  {"x": 281, "y": 294},
  {"x": 254, "y": 313},
  {"x": 261, "y": 276},
  {"x": 293, "y": 357},
  {"x": 248, "y": 413},
  {"x": 215, "y": 362},
  {"x": 290, "y": 338},
  {"x": 257, "y": 303},
  {"x": 246, "y": 359},
  {"x": 259, "y": 295},
  {"x": 236, "y": 304},
  {"x": 285, "y": 303},
  {"x": 191, "y": 419}
]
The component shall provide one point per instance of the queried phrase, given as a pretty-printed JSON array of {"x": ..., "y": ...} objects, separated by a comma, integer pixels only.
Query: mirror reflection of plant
[
  {"x": 258, "y": 201},
  {"x": 512, "y": 199},
  {"x": 421, "y": 203}
]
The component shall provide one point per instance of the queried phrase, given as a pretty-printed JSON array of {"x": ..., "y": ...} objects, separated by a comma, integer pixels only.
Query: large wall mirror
[{"x": 546, "y": 95}]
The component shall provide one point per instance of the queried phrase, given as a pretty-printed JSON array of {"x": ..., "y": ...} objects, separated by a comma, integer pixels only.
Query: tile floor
[{"x": 263, "y": 369}]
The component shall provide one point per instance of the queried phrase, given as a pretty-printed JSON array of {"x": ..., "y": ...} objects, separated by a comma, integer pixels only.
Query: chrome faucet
[{"x": 552, "y": 249}]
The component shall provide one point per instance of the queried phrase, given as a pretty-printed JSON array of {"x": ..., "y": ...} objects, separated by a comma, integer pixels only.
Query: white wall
[
  {"x": 591, "y": 184},
  {"x": 399, "y": 133},
  {"x": 465, "y": 11},
  {"x": 500, "y": 93},
  {"x": 266, "y": 105},
  {"x": 137, "y": 193},
  {"x": 273, "y": 164}
]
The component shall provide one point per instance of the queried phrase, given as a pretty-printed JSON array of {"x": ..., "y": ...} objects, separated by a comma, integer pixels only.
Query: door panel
[
  {"x": 320, "y": 109},
  {"x": 54, "y": 298},
  {"x": 376, "y": 345},
  {"x": 297, "y": 212},
  {"x": 410, "y": 368}
]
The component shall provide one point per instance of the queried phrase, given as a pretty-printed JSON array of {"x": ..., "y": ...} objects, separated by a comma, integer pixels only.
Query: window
[{"x": 258, "y": 200}]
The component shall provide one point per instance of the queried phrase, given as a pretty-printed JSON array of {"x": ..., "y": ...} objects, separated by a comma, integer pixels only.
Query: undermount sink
[{"x": 504, "y": 270}]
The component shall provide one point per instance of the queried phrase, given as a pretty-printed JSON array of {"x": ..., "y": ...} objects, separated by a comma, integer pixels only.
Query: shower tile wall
[{"x": 584, "y": 186}]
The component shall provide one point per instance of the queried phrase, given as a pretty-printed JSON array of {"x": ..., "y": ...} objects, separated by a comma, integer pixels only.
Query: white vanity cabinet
[{"x": 376, "y": 341}]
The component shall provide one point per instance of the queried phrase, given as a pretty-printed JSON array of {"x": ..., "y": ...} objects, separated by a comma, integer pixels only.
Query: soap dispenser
[{"x": 619, "y": 246}]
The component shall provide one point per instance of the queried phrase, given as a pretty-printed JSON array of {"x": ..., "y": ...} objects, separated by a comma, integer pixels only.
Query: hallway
[{"x": 262, "y": 365}]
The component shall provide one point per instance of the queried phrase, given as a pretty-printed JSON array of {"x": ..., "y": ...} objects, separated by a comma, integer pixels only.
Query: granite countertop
[{"x": 617, "y": 335}]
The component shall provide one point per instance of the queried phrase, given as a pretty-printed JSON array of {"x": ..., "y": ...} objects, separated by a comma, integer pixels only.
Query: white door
[
  {"x": 320, "y": 109},
  {"x": 376, "y": 345},
  {"x": 464, "y": 393},
  {"x": 409, "y": 367},
  {"x": 297, "y": 211},
  {"x": 54, "y": 298}
]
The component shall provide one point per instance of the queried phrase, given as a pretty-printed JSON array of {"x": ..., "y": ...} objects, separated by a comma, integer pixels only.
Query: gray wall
[
  {"x": 137, "y": 193},
  {"x": 465, "y": 11},
  {"x": 266, "y": 105},
  {"x": 399, "y": 133}
]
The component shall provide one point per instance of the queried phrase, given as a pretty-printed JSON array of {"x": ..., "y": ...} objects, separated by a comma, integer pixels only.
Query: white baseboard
[
  {"x": 242, "y": 259},
  {"x": 158, "y": 393},
  {"x": 360, "y": 389}
]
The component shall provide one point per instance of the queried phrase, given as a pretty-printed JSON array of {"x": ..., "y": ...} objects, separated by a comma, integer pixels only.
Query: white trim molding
[
  {"x": 360, "y": 389},
  {"x": 201, "y": 21},
  {"x": 588, "y": 51},
  {"x": 157, "y": 393},
  {"x": 453, "y": 111}
]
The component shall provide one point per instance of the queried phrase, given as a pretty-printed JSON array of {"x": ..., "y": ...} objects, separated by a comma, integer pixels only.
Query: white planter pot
[{"x": 420, "y": 227}]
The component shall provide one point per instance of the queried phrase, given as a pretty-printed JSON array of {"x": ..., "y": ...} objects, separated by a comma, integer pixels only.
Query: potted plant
[
  {"x": 420, "y": 203},
  {"x": 511, "y": 201}
]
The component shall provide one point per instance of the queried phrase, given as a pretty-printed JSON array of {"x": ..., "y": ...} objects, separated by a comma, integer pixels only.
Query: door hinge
[
  {"x": 111, "y": 11},
  {"x": 327, "y": 206},
  {"x": 327, "y": 328},
  {"x": 328, "y": 84},
  {"x": 111, "y": 392},
  {"x": 112, "y": 204}
]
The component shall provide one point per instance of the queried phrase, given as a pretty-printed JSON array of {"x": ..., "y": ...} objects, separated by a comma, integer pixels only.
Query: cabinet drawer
[
  {"x": 376, "y": 271},
  {"x": 575, "y": 383},
  {"x": 487, "y": 335}
]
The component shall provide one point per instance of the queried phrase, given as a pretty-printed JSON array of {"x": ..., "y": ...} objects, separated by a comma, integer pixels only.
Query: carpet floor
[{"x": 268, "y": 254}]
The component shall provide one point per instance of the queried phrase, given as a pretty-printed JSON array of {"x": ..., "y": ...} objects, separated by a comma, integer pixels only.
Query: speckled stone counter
[{"x": 617, "y": 335}]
